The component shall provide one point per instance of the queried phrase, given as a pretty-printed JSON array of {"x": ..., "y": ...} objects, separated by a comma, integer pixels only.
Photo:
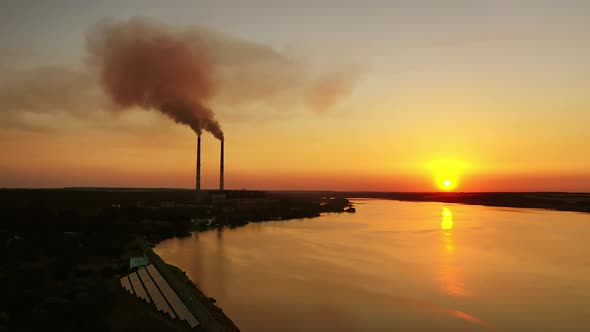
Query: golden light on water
[
  {"x": 450, "y": 273},
  {"x": 446, "y": 224},
  {"x": 447, "y": 219}
]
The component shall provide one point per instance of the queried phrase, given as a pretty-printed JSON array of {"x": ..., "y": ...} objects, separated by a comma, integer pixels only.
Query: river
[{"x": 403, "y": 266}]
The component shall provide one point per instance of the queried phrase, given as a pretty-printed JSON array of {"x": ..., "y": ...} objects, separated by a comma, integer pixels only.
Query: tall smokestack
[
  {"x": 221, "y": 169},
  {"x": 198, "y": 163}
]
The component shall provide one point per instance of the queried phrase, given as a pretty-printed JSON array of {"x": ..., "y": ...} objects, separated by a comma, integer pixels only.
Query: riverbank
[
  {"x": 66, "y": 249},
  {"x": 211, "y": 317}
]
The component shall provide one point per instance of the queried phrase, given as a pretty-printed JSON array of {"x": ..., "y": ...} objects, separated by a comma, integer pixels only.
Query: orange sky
[{"x": 501, "y": 89}]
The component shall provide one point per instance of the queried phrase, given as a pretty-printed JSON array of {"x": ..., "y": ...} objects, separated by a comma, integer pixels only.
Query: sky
[{"x": 494, "y": 94}]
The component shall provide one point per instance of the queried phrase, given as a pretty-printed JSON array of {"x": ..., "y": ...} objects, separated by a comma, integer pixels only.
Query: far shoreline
[{"x": 556, "y": 201}]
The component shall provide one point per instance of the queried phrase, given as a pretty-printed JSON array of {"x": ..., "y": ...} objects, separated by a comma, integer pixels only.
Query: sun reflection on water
[
  {"x": 449, "y": 274},
  {"x": 446, "y": 225}
]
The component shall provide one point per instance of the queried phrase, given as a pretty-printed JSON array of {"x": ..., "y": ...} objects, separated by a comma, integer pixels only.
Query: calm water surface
[{"x": 399, "y": 266}]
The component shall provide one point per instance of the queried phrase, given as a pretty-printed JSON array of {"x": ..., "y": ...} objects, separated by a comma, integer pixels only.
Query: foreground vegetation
[{"x": 65, "y": 250}]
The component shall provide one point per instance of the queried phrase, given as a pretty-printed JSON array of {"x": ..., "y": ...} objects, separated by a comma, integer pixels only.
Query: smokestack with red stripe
[
  {"x": 198, "y": 179},
  {"x": 221, "y": 169}
]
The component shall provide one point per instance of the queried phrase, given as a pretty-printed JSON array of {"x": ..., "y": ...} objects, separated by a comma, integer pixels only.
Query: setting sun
[
  {"x": 446, "y": 185},
  {"x": 446, "y": 174}
]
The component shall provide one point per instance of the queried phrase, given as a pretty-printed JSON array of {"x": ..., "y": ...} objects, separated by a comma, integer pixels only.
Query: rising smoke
[
  {"x": 143, "y": 64},
  {"x": 183, "y": 74}
]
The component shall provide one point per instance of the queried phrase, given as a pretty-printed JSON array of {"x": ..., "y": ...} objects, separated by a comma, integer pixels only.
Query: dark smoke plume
[
  {"x": 182, "y": 73},
  {"x": 143, "y": 64}
]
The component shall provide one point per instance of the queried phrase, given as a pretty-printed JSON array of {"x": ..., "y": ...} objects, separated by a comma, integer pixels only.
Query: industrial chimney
[
  {"x": 198, "y": 163},
  {"x": 221, "y": 169}
]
